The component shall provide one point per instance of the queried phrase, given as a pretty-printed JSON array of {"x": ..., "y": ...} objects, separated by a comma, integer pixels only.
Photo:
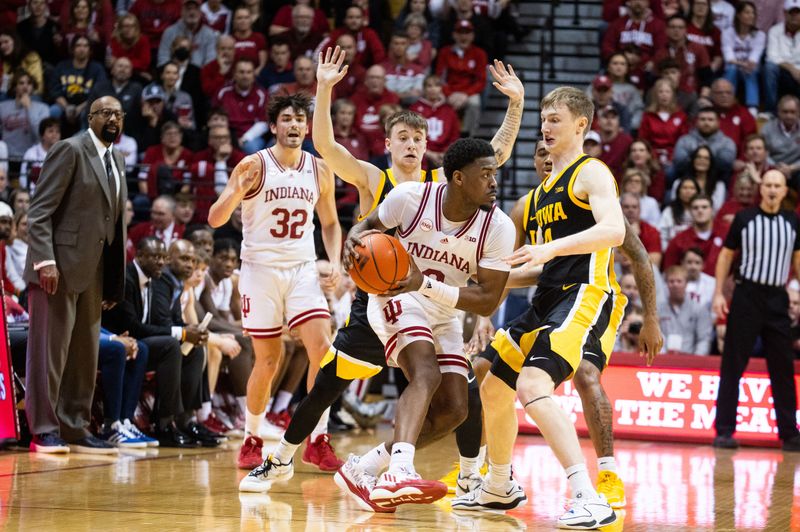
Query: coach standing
[
  {"x": 75, "y": 266},
  {"x": 769, "y": 239}
]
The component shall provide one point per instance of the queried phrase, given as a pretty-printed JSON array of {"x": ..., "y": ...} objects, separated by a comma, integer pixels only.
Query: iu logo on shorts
[
  {"x": 245, "y": 305},
  {"x": 392, "y": 311}
]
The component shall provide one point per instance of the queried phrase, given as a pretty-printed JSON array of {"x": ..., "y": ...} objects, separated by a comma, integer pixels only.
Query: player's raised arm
[
  {"x": 329, "y": 72},
  {"x": 246, "y": 177},
  {"x": 507, "y": 82}
]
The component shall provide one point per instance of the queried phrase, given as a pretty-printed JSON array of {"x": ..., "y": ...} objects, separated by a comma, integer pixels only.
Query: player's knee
[
  {"x": 531, "y": 389},
  {"x": 494, "y": 391},
  {"x": 481, "y": 367},
  {"x": 587, "y": 378}
]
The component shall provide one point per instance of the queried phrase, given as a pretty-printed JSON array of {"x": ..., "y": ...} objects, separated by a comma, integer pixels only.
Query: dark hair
[
  {"x": 169, "y": 124},
  {"x": 708, "y": 23},
  {"x": 400, "y": 34},
  {"x": 19, "y": 52},
  {"x": 20, "y": 73},
  {"x": 739, "y": 8},
  {"x": 697, "y": 251},
  {"x": 47, "y": 123},
  {"x": 147, "y": 241},
  {"x": 707, "y": 109},
  {"x": 299, "y": 102},
  {"x": 675, "y": 205},
  {"x": 196, "y": 228},
  {"x": 464, "y": 151},
  {"x": 700, "y": 197},
  {"x": 713, "y": 171},
  {"x": 225, "y": 244},
  {"x": 75, "y": 40},
  {"x": 243, "y": 60},
  {"x": 678, "y": 16}
]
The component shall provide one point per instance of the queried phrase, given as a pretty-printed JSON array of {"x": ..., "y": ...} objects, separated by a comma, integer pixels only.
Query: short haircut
[
  {"x": 20, "y": 73},
  {"x": 341, "y": 102},
  {"x": 184, "y": 197},
  {"x": 675, "y": 269},
  {"x": 708, "y": 109},
  {"x": 700, "y": 197},
  {"x": 694, "y": 250},
  {"x": 575, "y": 100},
  {"x": 148, "y": 241},
  {"x": 47, "y": 123},
  {"x": 168, "y": 199},
  {"x": 676, "y": 16},
  {"x": 225, "y": 244},
  {"x": 754, "y": 136},
  {"x": 463, "y": 152},
  {"x": 243, "y": 60},
  {"x": 169, "y": 124},
  {"x": 409, "y": 118},
  {"x": 201, "y": 256},
  {"x": 77, "y": 38},
  {"x": 433, "y": 77},
  {"x": 401, "y": 34},
  {"x": 299, "y": 102}
]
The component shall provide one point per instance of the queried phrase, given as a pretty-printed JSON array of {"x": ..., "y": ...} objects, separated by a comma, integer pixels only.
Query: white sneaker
[
  {"x": 468, "y": 484},
  {"x": 496, "y": 500},
  {"x": 358, "y": 485},
  {"x": 405, "y": 486},
  {"x": 270, "y": 431},
  {"x": 587, "y": 514},
  {"x": 260, "y": 479}
]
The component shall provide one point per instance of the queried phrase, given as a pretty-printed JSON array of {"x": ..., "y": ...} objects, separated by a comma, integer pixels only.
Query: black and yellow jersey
[
  {"x": 558, "y": 213},
  {"x": 529, "y": 225},
  {"x": 388, "y": 182}
]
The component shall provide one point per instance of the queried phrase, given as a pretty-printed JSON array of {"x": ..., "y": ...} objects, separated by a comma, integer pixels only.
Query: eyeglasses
[{"x": 108, "y": 113}]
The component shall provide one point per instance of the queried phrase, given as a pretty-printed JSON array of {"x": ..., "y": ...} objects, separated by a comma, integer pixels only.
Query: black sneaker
[
  {"x": 205, "y": 437},
  {"x": 92, "y": 445},
  {"x": 48, "y": 442},
  {"x": 725, "y": 442},
  {"x": 792, "y": 445},
  {"x": 172, "y": 436}
]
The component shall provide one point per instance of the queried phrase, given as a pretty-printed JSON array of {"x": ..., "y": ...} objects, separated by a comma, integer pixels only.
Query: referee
[{"x": 769, "y": 239}]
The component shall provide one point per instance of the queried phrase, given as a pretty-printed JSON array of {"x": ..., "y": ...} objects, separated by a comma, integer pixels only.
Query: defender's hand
[
  {"x": 506, "y": 81},
  {"x": 329, "y": 68}
]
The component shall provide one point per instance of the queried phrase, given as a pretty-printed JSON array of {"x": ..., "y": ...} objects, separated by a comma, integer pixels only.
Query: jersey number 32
[{"x": 293, "y": 229}]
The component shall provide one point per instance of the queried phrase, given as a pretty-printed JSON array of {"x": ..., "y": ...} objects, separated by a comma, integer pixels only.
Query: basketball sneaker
[
  {"x": 404, "y": 486},
  {"x": 451, "y": 478},
  {"x": 279, "y": 419},
  {"x": 215, "y": 424},
  {"x": 133, "y": 429},
  {"x": 492, "y": 499},
  {"x": 357, "y": 483},
  {"x": 610, "y": 485},
  {"x": 587, "y": 514},
  {"x": 321, "y": 454},
  {"x": 250, "y": 452},
  {"x": 468, "y": 484},
  {"x": 261, "y": 478}
]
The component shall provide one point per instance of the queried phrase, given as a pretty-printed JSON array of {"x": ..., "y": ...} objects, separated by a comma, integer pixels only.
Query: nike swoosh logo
[
  {"x": 568, "y": 286},
  {"x": 472, "y": 379},
  {"x": 538, "y": 358}
]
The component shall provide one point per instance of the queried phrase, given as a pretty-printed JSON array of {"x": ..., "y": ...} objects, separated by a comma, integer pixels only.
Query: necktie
[{"x": 112, "y": 183}]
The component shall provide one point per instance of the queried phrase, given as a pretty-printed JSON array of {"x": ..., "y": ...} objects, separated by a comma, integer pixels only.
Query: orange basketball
[{"x": 381, "y": 262}]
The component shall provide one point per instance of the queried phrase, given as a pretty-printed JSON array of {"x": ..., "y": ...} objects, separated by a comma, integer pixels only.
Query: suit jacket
[{"x": 71, "y": 215}]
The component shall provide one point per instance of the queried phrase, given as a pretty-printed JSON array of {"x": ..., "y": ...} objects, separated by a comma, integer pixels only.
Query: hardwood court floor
[{"x": 670, "y": 487}]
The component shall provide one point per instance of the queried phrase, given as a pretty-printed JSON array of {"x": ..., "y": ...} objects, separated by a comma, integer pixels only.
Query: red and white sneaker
[
  {"x": 406, "y": 487},
  {"x": 214, "y": 424},
  {"x": 321, "y": 454},
  {"x": 357, "y": 483},
  {"x": 250, "y": 453},
  {"x": 280, "y": 419}
]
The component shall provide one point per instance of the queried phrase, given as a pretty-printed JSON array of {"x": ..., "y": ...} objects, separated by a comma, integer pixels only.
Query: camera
[{"x": 635, "y": 327}]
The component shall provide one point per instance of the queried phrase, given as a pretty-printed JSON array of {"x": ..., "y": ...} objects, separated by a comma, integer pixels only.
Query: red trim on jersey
[
  {"x": 275, "y": 160},
  {"x": 469, "y": 223},
  {"x": 316, "y": 173},
  {"x": 254, "y": 193},
  {"x": 309, "y": 315},
  {"x": 417, "y": 217},
  {"x": 484, "y": 232},
  {"x": 439, "y": 198},
  {"x": 417, "y": 331}
]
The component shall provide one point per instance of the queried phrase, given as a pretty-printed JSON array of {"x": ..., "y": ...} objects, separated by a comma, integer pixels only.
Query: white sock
[
  {"x": 468, "y": 466},
  {"x": 252, "y": 422},
  {"x": 322, "y": 425},
  {"x": 284, "y": 451},
  {"x": 481, "y": 456},
  {"x": 242, "y": 401},
  {"x": 376, "y": 460},
  {"x": 402, "y": 457},
  {"x": 499, "y": 474},
  {"x": 607, "y": 463},
  {"x": 579, "y": 482},
  {"x": 281, "y": 401},
  {"x": 204, "y": 412}
]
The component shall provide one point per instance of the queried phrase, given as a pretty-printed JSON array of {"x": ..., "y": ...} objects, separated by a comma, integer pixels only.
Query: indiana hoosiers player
[
  {"x": 357, "y": 353},
  {"x": 279, "y": 188},
  {"x": 453, "y": 233}
]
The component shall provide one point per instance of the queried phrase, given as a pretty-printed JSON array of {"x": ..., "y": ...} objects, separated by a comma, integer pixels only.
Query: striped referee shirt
[{"x": 767, "y": 242}]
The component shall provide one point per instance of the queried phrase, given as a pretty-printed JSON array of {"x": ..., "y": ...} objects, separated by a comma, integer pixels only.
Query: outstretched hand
[
  {"x": 329, "y": 67},
  {"x": 529, "y": 256},
  {"x": 506, "y": 80}
]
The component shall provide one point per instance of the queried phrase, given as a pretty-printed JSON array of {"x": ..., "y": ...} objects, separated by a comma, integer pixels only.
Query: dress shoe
[
  {"x": 205, "y": 437},
  {"x": 725, "y": 442},
  {"x": 92, "y": 445},
  {"x": 172, "y": 436},
  {"x": 792, "y": 444},
  {"x": 48, "y": 442}
]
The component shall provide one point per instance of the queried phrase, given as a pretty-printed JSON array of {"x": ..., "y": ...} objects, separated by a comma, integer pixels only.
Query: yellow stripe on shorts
[
  {"x": 567, "y": 340},
  {"x": 348, "y": 367},
  {"x": 610, "y": 334}
]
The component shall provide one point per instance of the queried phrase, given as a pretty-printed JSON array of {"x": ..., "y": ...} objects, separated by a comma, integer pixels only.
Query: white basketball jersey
[{"x": 278, "y": 216}]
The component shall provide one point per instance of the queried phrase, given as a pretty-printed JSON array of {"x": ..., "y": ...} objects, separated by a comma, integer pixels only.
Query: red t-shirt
[
  {"x": 737, "y": 123},
  {"x": 650, "y": 237},
  {"x": 155, "y": 17},
  {"x": 319, "y": 25},
  {"x": 212, "y": 80},
  {"x": 615, "y": 152},
  {"x": 649, "y": 35},
  {"x": 139, "y": 53},
  {"x": 352, "y": 81},
  {"x": 462, "y": 71},
  {"x": 368, "y": 119},
  {"x": 154, "y": 158},
  {"x": 369, "y": 48},
  {"x": 663, "y": 134},
  {"x": 243, "y": 110},
  {"x": 712, "y": 42},
  {"x": 688, "y": 239},
  {"x": 202, "y": 176},
  {"x": 444, "y": 127},
  {"x": 248, "y": 47},
  {"x": 724, "y": 217},
  {"x": 690, "y": 58}
]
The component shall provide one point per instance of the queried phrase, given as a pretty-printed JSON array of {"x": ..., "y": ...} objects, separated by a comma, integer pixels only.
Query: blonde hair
[
  {"x": 653, "y": 106},
  {"x": 398, "y": 115},
  {"x": 630, "y": 172},
  {"x": 575, "y": 100}
]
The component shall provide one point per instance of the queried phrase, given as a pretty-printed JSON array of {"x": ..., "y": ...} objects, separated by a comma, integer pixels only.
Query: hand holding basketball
[
  {"x": 410, "y": 283},
  {"x": 377, "y": 262}
]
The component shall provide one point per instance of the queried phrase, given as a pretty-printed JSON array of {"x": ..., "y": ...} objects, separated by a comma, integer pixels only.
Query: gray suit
[{"x": 74, "y": 221}]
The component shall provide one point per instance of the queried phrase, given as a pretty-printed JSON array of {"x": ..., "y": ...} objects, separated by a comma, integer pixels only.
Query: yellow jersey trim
[
  {"x": 549, "y": 183},
  {"x": 580, "y": 203}
]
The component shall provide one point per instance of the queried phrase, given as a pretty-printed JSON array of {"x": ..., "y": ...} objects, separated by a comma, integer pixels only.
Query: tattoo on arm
[
  {"x": 503, "y": 141},
  {"x": 642, "y": 270}
]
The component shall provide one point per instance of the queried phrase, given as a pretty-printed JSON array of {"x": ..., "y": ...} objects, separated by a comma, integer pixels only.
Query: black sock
[
  {"x": 468, "y": 434},
  {"x": 327, "y": 388}
]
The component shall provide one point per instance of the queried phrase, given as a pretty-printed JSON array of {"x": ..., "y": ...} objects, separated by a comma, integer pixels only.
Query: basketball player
[
  {"x": 356, "y": 352},
  {"x": 279, "y": 188},
  {"x": 579, "y": 220}
]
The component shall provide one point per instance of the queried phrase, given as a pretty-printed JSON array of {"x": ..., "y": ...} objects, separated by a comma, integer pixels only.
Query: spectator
[
  {"x": 356, "y": 73},
  {"x": 211, "y": 168},
  {"x": 615, "y": 142},
  {"x": 636, "y": 72},
  {"x": 670, "y": 70},
  {"x": 282, "y": 22},
  {"x": 627, "y": 285},
  {"x": 637, "y": 182},
  {"x": 676, "y": 216},
  {"x": 754, "y": 162},
  {"x": 245, "y": 103},
  {"x": 705, "y": 133},
  {"x": 782, "y": 66},
  {"x": 462, "y": 67},
  {"x": 345, "y": 134},
  {"x": 701, "y": 30},
  {"x": 403, "y": 77},
  {"x": 770, "y": 12},
  {"x": 302, "y": 41},
  {"x": 418, "y": 13},
  {"x": 623, "y": 91},
  {"x": 154, "y": 17},
  {"x": 699, "y": 285},
  {"x": 219, "y": 72},
  {"x": 189, "y": 76},
  {"x": 638, "y": 27},
  {"x": 20, "y": 200},
  {"x": 443, "y": 126},
  {"x": 723, "y": 14},
  {"x": 178, "y": 102},
  {"x": 369, "y": 49},
  {"x": 420, "y": 48},
  {"x": 190, "y": 26},
  {"x": 735, "y": 121},
  {"x": 94, "y": 20},
  {"x": 14, "y": 56},
  {"x": 631, "y": 208},
  {"x": 216, "y": 16},
  {"x": 485, "y": 35},
  {"x": 185, "y": 207},
  {"x": 13, "y": 283},
  {"x": 249, "y": 44},
  {"x": 703, "y": 170},
  {"x": 154, "y": 116},
  {"x": 73, "y": 80},
  {"x": 3, "y": 160},
  {"x": 685, "y": 323},
  {"x": 128, "y": 148},
  {"x": 125, "y": 90},
  {"x": 628, "y": 339},
  {"x": 162, "y": 225},
  {"x": 782, "y": 136},
  {"x": 40, "y": 33},
  {"x": 699, "y": 235},
  {"x": 128, "y": 41},
  {"x": 743, "y": 46},
  {"x": 663, "y": 122},
  {"x": 49, "y": 134},
  {"x": 164, "y": 165},
  {"x": 603, "y": 97},
  {"x": 20, "y": 117},
  {"x": 305, "y": 79},
  {"x": 640, "y": 156},
  {"x": 368, "y": 101},
  {"x": 591, "y": 144},
  {"x": 18, "y": 249},
  {"x": 744, "y": 196},
  {"x": 692, "y": 58}
]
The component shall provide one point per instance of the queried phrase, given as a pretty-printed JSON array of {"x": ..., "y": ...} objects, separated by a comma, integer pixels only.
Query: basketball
[{"x": 381, "y": 262}]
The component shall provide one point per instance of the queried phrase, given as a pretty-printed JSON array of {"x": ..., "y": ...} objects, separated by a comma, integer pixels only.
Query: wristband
[{"x": 439, "y": 291}]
